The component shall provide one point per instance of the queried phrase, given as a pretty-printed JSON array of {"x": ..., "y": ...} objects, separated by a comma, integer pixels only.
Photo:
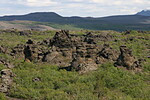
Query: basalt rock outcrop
[
  {"x": 30, "y": 51},
  {"x": 3, "y": 49},
  {"x": 77, "y": 52},
  {"x": 126, "y": 59},
  {"x": 99, "y": 37},
  {"x": 16, "y": 32},
  {"x": 6, "y": 80},
  {"x": 6, "y": 63},
  {"x": 107, "y": 54},
  {"x": 7, "y": 75}
]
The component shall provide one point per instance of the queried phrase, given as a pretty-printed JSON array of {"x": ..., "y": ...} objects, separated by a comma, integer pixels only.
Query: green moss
[{"x": 2, "y": 96}]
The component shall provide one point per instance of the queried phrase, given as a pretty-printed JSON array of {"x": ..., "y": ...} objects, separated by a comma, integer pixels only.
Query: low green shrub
[{"x": 2, "y": 96}]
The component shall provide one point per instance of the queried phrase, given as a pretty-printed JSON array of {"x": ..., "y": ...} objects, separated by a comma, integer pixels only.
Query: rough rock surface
[
  {"x": 6, "y": 80},
  {"x": 99, "y": 37},
  {"x": 126, "y": 59},
  {"x": 18, "y": 51},
  {"x": 78, "y": 52},
  {"x": 3, "y": 49},
  {"x": 6, "y": 63},
  {"x": 107, "y": 54},
  {"x": 66, "y": 49},
  {"x": 16, "y": 32}
]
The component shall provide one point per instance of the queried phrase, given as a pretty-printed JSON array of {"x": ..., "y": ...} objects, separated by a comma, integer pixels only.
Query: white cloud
[
  {"x": 36, "y": 3},
  {"x": 39, "y": 3},
  {"x": 75, "y": 7},
  {"x": 98, "y": 1}
]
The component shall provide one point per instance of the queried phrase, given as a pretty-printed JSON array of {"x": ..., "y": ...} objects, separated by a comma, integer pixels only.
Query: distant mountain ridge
[
  {"x": 144, "y": 13},
  {"x": 38, "y": 16},
  {"x": 119, "y": 23}
]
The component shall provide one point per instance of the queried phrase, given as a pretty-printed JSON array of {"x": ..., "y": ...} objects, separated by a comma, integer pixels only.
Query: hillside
[
  {"x": 118, "y": 23},
  {"x": 23, "y": 25},
  {"x": 74, "y": 65}
]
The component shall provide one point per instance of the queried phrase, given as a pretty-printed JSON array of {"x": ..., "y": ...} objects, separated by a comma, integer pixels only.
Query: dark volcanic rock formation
[
  {"x": 108, "y": 53},
  {"x": 78, "y": 52},
  {"x": 18, "y": 51},
  {"x": 17, "y": 32},
  {"x": 3, "y": 49},
  {"x": 6, "y": 80},
  {"x": 6, "y": 63},
  {"x": 126, "y": 59},
  {"x": 7, "y": 75}
]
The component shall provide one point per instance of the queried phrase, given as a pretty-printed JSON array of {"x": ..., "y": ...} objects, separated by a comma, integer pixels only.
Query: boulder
[
  {"x": 17, "y": 51},
  {"x": 6, "y": 63},
  {"x": 62, "y": 39},
  {"x": 83, "y": 65},
  {"x": 2, "y": 49},
  {"x": 6, "y": 80},
  {"x": 28, "y": 53},
  {"x": 108, "y": 53},
  {"x": 29, "y": 42},
  {"x": 126, "y": 59}
]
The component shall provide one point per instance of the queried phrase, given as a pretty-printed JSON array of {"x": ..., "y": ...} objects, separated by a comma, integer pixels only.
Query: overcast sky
[{"x": 95, "y": 8}]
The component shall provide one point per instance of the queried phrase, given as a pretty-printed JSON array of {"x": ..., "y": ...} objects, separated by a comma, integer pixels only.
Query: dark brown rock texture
[
  {"x": 77, "y": 52},
  {"x": 126, "y": 59}
]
